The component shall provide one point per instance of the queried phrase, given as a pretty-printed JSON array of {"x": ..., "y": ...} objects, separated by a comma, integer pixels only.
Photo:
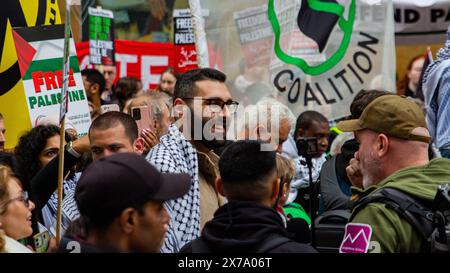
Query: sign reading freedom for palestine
[
  {"x": 40, "y": 55},
  {"x": 184, "y": 41},
  {"x": 101, "y": 36},
  {"x": 307, "y": 54}
]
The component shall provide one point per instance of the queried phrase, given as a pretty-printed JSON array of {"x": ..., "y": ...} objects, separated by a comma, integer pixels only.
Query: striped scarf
[
  {"x": 69, "y": 207},
  {"x": 175, "y": 154}
]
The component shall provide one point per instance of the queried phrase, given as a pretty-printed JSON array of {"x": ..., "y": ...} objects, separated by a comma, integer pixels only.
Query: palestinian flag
[
  {"x": 40, "y": 60},
  {"x": 317, "y": 25}
]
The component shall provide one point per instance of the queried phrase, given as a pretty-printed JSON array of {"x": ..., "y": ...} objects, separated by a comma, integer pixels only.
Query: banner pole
[
  {"x": 60, "y": 182},
  {"x": 62, "y": 114},
  {"x": 201, "y": 44}
]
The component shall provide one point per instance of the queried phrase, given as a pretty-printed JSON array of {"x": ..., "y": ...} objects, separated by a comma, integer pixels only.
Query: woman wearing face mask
[{"x": 15, "y": 212}]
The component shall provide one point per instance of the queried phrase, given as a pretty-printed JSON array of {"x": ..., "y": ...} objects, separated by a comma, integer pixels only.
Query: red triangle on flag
[{"x": 25, "y": 53}]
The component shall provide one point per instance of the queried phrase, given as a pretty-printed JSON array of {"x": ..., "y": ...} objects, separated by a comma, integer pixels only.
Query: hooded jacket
[
  {"x": 390, "y": 232},
  {"x": 243, "y": 227}
]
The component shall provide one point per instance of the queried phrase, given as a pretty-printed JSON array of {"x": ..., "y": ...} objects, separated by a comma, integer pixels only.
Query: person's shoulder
[
  {"x": 13, "y": 246},
  {"x": 294, "y": 247},
  {"x": 71, "y": 245},
  {"x": 187, "y": 248},
  {"x": 376, "y": 213},
  {"x": 160, "y": 150}
]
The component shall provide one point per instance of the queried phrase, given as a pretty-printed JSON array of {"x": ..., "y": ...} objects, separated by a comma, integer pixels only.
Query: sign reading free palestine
[{"x": 40, "y": 55}]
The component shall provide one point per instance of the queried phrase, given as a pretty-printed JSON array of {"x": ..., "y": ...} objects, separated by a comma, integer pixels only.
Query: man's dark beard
[
  {"x": 214, "y": 143},
  {"x": 210, "y": 144}
]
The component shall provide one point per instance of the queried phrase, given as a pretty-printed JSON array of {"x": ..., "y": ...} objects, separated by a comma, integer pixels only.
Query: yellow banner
[{"x": 13, "y": 105}]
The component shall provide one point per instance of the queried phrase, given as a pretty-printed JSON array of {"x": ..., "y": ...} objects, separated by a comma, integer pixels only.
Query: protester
[
  {"x": 33, "y": 152},
  {"x": 15, "y": 212},
  {"x": 159, "y": 104},
  {"x": 335, "y": 192},
  {"x": 114, "y": 132},
  {"x": 335, "y": 186},
  {"x": 201, "y": 98},
  {"x": 388, "y": 131},
  {"x": 94, "y": 85},
  {"x": 2, "y": 133},
  {"x": 258, "y": 122},
  {"x": 247, "y": 223},
  {"x": 126, "y": 89},
  {"x": 110, "y": 74},
  {"x": 120, "y": 198},
  {"x": 167, "y": 81},
  {"x": 437, "y": 98},
  {"x": 408, "y": 86},
  {"x": 249, "y": 74},
  {"x": 309, "y": 124},
  {"x": 111, "y": 133},
  {"x": 286, "y": 173}
]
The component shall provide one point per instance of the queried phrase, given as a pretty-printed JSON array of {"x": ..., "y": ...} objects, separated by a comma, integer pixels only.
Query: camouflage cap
[{"x": 392, "y": 115}]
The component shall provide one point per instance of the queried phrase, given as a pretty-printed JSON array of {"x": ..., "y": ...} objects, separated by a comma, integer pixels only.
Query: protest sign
[
  {"x": 101, "y": 36},
  {"x": 40, "y": 55},
  {"x": 310, "y": 55},
  {"x": 18, "y": 14}
]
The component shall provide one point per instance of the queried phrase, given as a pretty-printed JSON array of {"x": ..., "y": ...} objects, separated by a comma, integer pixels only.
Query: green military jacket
[{"x": 390, "y": 232}]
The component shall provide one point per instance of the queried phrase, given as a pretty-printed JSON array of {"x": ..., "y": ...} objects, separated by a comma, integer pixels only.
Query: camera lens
[{"x": 136, "y": 113}]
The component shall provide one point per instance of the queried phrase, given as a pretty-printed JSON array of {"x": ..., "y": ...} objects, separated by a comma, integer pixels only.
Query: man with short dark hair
[
  {"x": 120, "y": 198},
  {"x": 114, "y": 132},
  {"x": 204, "y": 105},
  {"x": 94, "y": 85},
  {"x": 248, "y": 223},
  {"x": 2, "y": 133}
]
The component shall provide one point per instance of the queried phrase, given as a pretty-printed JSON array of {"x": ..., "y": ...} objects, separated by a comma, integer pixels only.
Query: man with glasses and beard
[{"x": 203, "y": 105}]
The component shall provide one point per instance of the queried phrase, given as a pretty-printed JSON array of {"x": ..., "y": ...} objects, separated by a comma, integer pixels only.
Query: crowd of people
[{"x": 187, "y": 183}]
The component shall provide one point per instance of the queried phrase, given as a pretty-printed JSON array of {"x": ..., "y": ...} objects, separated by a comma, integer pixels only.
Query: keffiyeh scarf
[
  {"x": 69, "y": 209},
  {"x": 175, "y": 154}
]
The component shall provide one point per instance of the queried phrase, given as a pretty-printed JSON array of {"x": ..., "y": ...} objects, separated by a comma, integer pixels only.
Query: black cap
[{"x": 114, "y": 183}]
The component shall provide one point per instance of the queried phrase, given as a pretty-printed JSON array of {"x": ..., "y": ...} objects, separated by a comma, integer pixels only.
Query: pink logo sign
[{"x": 356, "y": 238}]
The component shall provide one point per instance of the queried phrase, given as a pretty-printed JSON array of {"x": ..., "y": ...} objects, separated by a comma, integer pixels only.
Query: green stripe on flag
[{"x": 50, "y": 65}]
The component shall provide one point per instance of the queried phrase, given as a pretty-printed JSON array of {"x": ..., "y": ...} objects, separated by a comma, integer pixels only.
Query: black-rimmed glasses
[{"x": 217, "y": 105}]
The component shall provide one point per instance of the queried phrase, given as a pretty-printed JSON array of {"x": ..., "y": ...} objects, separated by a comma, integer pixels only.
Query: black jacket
[{"x": 243, "y": 227}]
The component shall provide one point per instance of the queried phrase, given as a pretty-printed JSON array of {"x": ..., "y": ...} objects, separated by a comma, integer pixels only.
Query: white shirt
[{"x": 13, "y": 246}]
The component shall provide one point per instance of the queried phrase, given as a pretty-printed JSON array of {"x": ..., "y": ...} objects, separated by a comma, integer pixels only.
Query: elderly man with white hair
[{"x": 268, "y": 120}]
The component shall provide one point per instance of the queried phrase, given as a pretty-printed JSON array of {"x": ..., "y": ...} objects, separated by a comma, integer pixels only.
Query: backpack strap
[{"x": 414, "y": 211}]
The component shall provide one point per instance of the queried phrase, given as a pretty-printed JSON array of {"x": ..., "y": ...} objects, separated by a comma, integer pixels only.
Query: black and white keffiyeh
[
  {"x": 175, "y": 154},
  {"x": 69, "y": 209}
]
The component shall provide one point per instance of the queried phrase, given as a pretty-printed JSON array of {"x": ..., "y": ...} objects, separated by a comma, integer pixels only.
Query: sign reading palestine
[
  {"x": 40, "y": 58},
  {"x": 101, "y": 36}
]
